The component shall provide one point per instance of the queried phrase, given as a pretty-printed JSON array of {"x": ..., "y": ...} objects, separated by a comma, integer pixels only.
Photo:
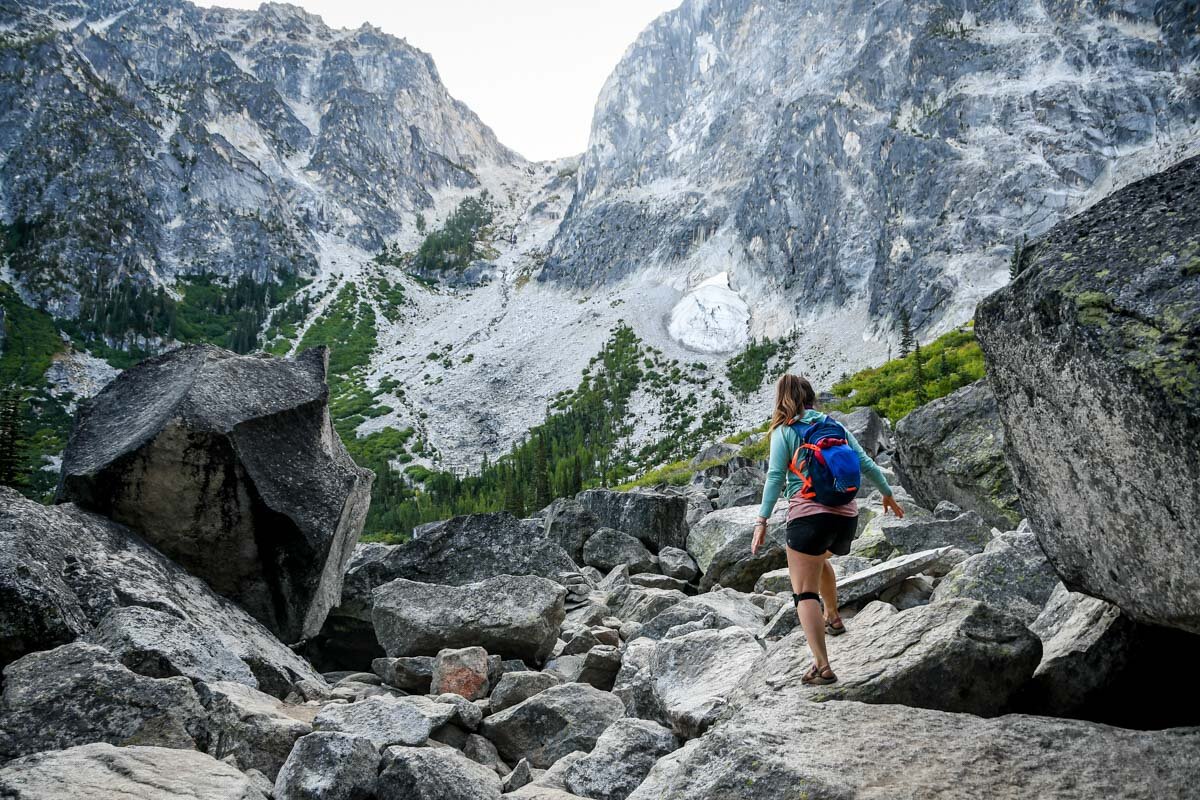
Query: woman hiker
[{"x": 822, "y": 515}]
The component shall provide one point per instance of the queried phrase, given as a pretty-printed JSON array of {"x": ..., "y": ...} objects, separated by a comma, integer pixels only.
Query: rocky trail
[{"x": 196, "y": 619}]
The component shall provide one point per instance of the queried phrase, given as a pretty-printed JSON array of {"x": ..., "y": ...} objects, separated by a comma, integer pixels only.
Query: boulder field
[{"x": 627, "y": 645}]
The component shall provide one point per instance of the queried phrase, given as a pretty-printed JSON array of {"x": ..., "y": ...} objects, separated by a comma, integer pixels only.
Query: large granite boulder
[
  {"x": 658, "y": 519},
  {"x": 568, "y": 524},
  {"x": 955, "y": 656},
  {"x": 743, "y": 487},
  {"x": 254, "y": 729},
  {"x": 675, "y": 562},
  {"x": 720, "y": 543},
  {"x": 1086, "y": 645},
  {"x": 1092, "y": 352},
  {"x": 511, "y": 616},
  {"x": 66, "y": 573},
  {"x": 471, "y": 548},
  {"x": 641, "y": 604},
  {"x": 230, "y": 466},
  {"x": 515, "y": 687},
  {"x": 867, "y": 427},
  {"x": 608, "y": 548},
  {"x": 329, "y": 766},
  {"x": 80, "y": 693},
  {"x": 552, "y": 723},
  {"x": 347, "y": 639},
  {"x": 953, "y": 449},
  {"x": 912, "y": 533},
  {"x": 103, "y": 772},
  {"x": 1011, "y": 574},
  {"x": 423, "y": 773},
  {"x": 386, "y": 721},
  {"x": 785, "y": 748},
  {"x": 621, "y": 759}
]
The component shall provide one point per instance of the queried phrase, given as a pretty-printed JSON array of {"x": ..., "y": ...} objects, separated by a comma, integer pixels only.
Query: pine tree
[
  {"x": 1014, "y": 264},
  {"x": 11, "y": 447},
  {"x": 919, "y": 375},
  {"x": 907, "y": 339},
  {"x": 944, "y": 368},
  {"x": 514, "y": 500},
  {"x": 541, "y": 474}
]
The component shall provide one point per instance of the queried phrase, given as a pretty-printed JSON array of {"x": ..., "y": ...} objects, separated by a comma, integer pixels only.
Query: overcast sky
[{"x": 531, "y": 69}]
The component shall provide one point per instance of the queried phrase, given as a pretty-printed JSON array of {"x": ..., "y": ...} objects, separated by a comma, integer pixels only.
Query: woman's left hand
[
  {"x": 890, "y": 504},
  {"x": 760, "y": 536}
]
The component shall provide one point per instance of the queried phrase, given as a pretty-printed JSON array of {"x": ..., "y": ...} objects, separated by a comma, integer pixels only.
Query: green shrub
[{"x": 947, "y": 363}]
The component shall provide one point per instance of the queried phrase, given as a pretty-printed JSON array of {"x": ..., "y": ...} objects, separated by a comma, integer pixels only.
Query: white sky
[{"x": 531, "y": 69}]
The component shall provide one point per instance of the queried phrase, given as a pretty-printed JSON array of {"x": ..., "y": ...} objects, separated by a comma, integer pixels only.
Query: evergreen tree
[
  {"x": 11, "y": 449},
  {"x": 1014, "y": 264},
  {"x": 514, "y": 500},
  {"x": 944, "y": 368},
  {"x": 541, "y": 474},
  {"x": 919, "y": 375},
  {"x": 907, "y": 339}
]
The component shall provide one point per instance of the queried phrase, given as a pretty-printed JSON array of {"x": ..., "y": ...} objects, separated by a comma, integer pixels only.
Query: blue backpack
[{"x": 825, "y": 463}]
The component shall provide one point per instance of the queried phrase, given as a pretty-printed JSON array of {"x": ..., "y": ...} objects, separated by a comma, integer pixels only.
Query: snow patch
[
  {"x": 712, "y": 318},
  {"x": 851, "y": 144}
]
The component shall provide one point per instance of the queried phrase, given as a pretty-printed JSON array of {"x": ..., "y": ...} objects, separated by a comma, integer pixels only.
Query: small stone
[{"x": 463, "y": 672}]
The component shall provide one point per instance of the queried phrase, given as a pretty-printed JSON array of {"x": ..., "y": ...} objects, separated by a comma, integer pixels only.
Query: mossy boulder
[
  {"x": 953, "y": 449},
  {"x": 1094, "y": 356}
]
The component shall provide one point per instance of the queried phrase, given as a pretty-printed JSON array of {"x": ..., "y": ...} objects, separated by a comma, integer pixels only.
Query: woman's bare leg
[
  {"x": 829, "y": 589},
  {"x": 805, "y": 573}
]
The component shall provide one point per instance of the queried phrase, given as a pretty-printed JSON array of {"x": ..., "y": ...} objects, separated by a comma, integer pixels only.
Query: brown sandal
[
  {"x": 819, "y": 676},
  {"x": 835, "y": 627}
]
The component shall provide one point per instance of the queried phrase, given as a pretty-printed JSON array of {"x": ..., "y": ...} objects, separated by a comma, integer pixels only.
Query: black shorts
[{"x": 818, "y": 533}]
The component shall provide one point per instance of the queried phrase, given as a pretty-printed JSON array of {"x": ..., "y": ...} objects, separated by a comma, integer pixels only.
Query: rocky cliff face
[
  {"x": 866, "y": 157},
  {"x": 143, "y": 140}
]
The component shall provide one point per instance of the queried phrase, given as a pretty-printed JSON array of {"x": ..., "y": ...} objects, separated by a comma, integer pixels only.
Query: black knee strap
[{"x": 797, "y": 598}]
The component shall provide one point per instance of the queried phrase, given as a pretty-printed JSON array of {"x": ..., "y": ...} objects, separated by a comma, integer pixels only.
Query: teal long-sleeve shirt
[{"x": 784, "y": 442}]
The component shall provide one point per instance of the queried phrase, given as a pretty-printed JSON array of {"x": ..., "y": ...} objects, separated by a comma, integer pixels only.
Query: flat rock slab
[
  {"x": 873, "y": 580},
  {"x": 470, "y": 548},
  {"x": 879, "y": 752},
  {"x": 728, "y": 607},
  {"x": 509, "y": 615},
  {"x": 955, "y": 656},
  {"x": 913, "y": 534},
  {"x": 67, "y": 573},
  {"x": 104, "y": 772},
  {"x": 964, "y": 656},
  {"x": 228, "y": 464},
  {"x": 861, "y": 585}
]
